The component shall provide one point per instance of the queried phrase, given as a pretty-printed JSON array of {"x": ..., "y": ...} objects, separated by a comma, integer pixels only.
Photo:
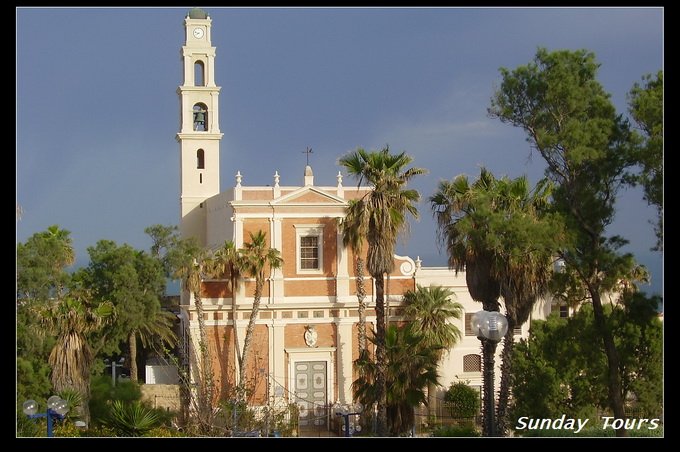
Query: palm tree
[
  {"x": 229, "y": 261},
  {"x": 526, "y": 249},
  {"x": 381, "y": 215},
  {"x": 199, "y": 264},
  {"x": 70, "y": 320},
  {"x": 154, "y": 330},
  {"x": 431, "y": 310},
  {"x": 493, "y": 228},
  {"x": 257, "y": 256},
  {"x": 353, "y": 237},
  {"x": 464, "y": 228},
  {"x": 411, "y": 367}
]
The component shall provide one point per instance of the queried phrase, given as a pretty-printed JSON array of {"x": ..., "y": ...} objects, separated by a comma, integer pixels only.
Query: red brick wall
[{"x": 294, "y": 335}]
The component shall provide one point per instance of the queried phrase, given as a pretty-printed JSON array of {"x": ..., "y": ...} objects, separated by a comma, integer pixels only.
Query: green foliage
[
  {"x": 645, "y": 104},
  {"x": 558, "y": 371},
  {"x": 462, "y": 430},
  {"x": 410, "y": 368},
  {"x": 463, "y": 401},
  {"x": 379, "y": 217},
  {"x": 41, "y": 275},
  {"x": 132, "y": 280},
  {"x": 588, "y": 148},
  {"x": 103, "y": 391},
  {"x": 131, "y": 418}
]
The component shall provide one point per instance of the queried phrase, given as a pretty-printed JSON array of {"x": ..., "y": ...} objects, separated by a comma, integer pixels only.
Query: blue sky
[{"x": 97, "y": 109}]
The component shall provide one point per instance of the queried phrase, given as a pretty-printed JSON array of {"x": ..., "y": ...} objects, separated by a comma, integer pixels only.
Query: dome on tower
[{"x": 197, "y": 13}]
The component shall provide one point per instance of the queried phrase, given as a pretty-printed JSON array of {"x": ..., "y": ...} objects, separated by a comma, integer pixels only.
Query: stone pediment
[{"x": 309, "y": 196}]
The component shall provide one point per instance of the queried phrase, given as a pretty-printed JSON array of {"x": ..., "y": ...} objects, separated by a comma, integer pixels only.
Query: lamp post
[
  {"x": 56, "y": 409},
  {"x": 113, "y": 364},
  {"x": 490, "y": 327},
  {"x": 346, "y": 411}
]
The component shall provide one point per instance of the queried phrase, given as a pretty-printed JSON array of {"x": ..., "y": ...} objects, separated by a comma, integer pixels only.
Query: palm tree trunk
[
  {"x": 488, "y": 369},
  {"x": 361, "y": 296},
  {"x": 205, "y": 383},
  {"x": 249, "y": 335},
  {"x": 488, "y": 421},
  {"x": 506, "y": 371},
  {"x": 432, "y": 400},
  {"x": 380, "y": 354},
  {"x": 614, "y": 378},
  {"x": 234, "y": 313},
  {"x": 132, "y": 342}
]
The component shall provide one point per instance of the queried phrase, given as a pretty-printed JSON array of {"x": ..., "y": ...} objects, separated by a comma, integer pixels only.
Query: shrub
[
  {"x": 462, "y": 400},
  {"x": 466, "y": 429}
]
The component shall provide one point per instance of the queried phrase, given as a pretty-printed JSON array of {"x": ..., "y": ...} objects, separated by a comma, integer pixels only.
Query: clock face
[{"x": 198, "y": 33}]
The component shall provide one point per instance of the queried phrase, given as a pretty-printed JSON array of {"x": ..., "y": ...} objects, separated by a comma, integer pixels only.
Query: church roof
[{"x": 197, "y": 13}]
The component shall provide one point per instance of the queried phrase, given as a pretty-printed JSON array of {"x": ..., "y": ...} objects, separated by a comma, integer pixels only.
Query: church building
[{"x": 305, "y": 339}]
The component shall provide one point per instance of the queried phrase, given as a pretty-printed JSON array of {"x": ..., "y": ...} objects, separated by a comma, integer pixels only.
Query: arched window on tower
[
  {"x": 200, "y": 118},
  {"x": 200, "y": 159},
  {"x": 199, "y": 73}
]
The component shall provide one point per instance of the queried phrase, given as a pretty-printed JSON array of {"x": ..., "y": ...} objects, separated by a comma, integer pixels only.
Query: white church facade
[{"x": 306, "y": 333}]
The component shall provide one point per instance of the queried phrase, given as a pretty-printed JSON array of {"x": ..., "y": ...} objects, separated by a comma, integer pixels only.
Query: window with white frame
[{"x": 309, "y": 248}]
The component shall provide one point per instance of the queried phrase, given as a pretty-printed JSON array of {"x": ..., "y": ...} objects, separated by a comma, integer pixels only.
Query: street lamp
[
  {"x": 346, "y": 411},
  {"x": 113, "y": 366},
  {"x": 490, "y": 327},
  {"x": 56, "y": 409}
]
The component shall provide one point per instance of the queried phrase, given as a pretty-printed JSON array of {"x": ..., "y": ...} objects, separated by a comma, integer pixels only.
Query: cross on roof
[{"x": 307, "y": 151}]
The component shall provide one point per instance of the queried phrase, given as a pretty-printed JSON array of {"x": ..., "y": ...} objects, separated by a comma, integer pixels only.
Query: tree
[
  {"x": 229, "y": 261},
  {"x": 587, "y": 147},
  {"x": 257, "y": 257},
  {"x": 557, "y": 371},
  {"x": 41, "y": 264},
  {"x": 381, "y": 214},
  {"x": 463, "y": 226},
  {"x": 411, "y": 366},
  {"x": 431, "y": 310},
  {"x": 353, "y": 237},
  {"x": 134, "y": 282},
  {"x": 41, "y": 276},
  {"x": 525, "y": 239},
  {"x": 196, "y": 265},
  {"x": 645, "y": 104},
  {"x": 70, "y": 320}
]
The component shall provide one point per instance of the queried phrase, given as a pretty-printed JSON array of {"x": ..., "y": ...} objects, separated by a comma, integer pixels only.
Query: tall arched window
[
  {"x": 200, "y": 117},
  {"x": 199, "y": 73},
  {"x": 200, "y": 159}
]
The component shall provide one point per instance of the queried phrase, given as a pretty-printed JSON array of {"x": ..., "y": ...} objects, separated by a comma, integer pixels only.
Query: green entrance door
[{"x": 310, "y": 389}]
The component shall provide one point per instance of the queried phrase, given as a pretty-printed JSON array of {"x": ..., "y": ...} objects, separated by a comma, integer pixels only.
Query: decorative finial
[
  {"x": 238, "y": 178},
  {"x": 418, "y": 263},
  {"x": 339, "y": 177},
  {"x": 276, "y": 178}
]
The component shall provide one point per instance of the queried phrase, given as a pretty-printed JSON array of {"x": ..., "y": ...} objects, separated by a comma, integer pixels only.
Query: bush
[
  {"x": 466, "y": 429},
  {"x": 462, "y": 400}
]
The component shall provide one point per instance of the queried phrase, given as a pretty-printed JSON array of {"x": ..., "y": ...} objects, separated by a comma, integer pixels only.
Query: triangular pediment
[{"x": 309, "y": 195}]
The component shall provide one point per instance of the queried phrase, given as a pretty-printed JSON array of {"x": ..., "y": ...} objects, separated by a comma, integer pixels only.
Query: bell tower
[{"x": 199, "y": 136}]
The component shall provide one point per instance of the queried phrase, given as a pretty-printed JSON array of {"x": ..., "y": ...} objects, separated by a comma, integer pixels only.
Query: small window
[
  {"x": 200, "y": 178},
  {"x": 200, "y": 118},
  {"x": 468, "y": 325},
  {"x": 309, "y": 252},
  {"x": 517, "y": 331},
  {"x": 472, "y": 363},
  {"x": 199, "y": 73},
  {"x": 564, "y": 311},
  {"x": 200, "y": 159}
]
